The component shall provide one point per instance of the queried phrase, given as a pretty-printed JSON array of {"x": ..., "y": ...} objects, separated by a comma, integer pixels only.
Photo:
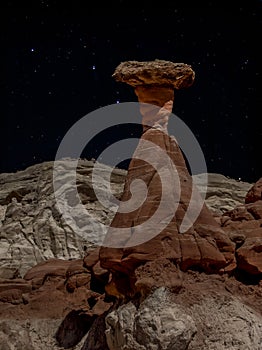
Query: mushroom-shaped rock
[
  {"x": 204, "y": 246},
  {"x": 158, "y": 72}
]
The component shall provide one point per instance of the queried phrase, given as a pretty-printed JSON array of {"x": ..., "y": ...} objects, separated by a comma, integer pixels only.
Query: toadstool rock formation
[{"x": 204, "y": 246}]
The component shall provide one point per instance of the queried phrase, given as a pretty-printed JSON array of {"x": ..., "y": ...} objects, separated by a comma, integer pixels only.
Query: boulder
[
  {"x": 255, "y": 193},
  {"x": 156, "y": 324}
]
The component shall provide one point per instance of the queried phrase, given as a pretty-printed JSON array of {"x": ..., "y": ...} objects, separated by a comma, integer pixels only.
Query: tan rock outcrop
[
  {"x": 255, "y": 193},
  {"x": 222, "y": 193},
  {"x": 244, "y": 225},
  {"x": 32, "y": 229},
  {"x": 56, "y": 290}
]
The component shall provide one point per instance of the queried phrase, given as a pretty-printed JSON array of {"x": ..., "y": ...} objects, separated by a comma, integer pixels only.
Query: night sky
[{"x": 58, "y": 58}]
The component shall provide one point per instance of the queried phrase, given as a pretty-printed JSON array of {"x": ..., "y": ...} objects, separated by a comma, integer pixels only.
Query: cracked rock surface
[
  {"x": 194, "y": 319},
  {"x": 61, "y": 296},
  {"x": 32, "y": 229}
]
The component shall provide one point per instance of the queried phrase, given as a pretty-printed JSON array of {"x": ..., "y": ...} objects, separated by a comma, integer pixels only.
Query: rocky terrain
[
  {"x": 223, "y": 193},
  {"x": 31, "y": 230},
  {"x": 34, "y": 302},
  {"x": 31, "y": 227},
  {"x": 190, "y": 279}
]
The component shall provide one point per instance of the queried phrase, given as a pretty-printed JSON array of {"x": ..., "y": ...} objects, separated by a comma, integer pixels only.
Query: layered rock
[
  {"x": 206, "y": 311},
  {"x": 60, "y": 285},
  {"x": 57, "y": 301},
  {"x": 255, "y": 193},
  {"x": 244, "y": 226},
  {"x": 222, "y": 193},
  {"x": 55, "y": 295},
  {"x": 204, "y": 245},
  {"x": 31, "y": 227}
]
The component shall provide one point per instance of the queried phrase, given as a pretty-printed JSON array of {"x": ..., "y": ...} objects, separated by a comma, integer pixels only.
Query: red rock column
[{"x": 204, "y": 246}]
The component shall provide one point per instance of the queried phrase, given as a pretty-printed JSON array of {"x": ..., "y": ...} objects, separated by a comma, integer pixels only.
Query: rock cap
[{"x": 157, "y": 73}]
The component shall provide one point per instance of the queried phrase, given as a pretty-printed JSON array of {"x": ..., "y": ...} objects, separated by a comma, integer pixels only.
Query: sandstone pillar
[{"x": 204, "y": 246}]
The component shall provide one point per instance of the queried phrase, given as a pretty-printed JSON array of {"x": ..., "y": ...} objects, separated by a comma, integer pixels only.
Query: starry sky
[{"x": 58, "y": 58}]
